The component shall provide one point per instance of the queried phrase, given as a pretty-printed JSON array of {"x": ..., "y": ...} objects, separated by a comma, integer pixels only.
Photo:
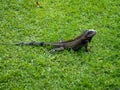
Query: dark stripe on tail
[{"x": 31, "y": 43}]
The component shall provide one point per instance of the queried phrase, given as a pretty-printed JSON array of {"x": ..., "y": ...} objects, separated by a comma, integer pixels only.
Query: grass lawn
[{"x": 34, "y": 68}]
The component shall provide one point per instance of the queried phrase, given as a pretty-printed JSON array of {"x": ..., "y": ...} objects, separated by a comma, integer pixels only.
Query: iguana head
[{"x": 88, "y": 34}]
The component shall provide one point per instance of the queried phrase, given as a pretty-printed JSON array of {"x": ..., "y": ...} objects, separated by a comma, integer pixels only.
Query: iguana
[{"x": 74, "y": 44}]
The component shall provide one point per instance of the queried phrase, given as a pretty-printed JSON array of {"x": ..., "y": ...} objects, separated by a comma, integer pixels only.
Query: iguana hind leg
[{"x": 57, "y": 49}]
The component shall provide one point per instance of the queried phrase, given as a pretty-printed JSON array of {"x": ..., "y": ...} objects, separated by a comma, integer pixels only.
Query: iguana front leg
[
  {"x": 57, "y": 49},
  {"x": 86, "y": 46}
]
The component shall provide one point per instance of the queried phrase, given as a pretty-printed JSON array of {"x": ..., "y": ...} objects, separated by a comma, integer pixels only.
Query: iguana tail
[
  {"x": 7, "y": 43},
  {"x": 24, "y": 43},
  {"x": 40, "y": 44},
  {"x": 35, "y": 44},
  {"x": 31, "y": 43}
]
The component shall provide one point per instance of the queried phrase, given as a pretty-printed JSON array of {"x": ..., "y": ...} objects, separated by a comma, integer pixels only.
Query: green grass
[{"x": 34, "y": 68}]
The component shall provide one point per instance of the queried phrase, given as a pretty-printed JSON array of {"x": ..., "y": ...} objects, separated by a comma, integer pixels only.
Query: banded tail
[
  {"x": 31, "y": 43},
  {"x": 40, "y": 44}
]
